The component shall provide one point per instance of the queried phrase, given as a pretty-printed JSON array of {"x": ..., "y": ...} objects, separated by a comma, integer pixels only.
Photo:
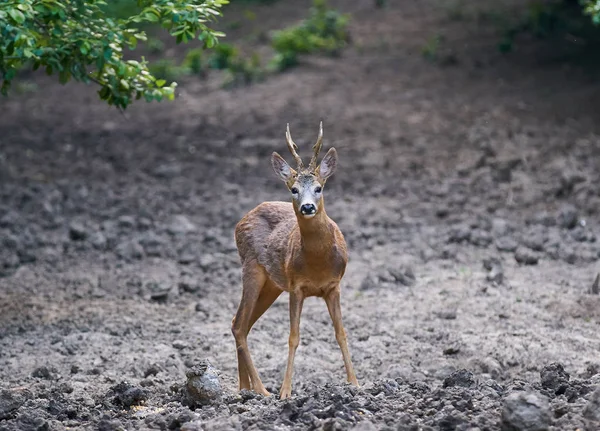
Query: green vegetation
[
  {"x": 222, "y": 56},
  {"x": 325, "y": 30},
  {"x": 86, "y": 40},
  {"x": 77, "y": 40}
]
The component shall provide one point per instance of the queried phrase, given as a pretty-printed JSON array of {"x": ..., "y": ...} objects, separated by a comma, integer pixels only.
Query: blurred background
[{"x": 467, "y": 190}]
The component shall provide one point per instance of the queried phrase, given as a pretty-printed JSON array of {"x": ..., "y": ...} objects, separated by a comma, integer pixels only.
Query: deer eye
[
  {"x": 318, "y": 189},
  {"x": 294, "y": 191}
]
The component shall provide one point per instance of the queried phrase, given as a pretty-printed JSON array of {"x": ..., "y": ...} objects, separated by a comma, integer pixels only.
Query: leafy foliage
[
  {"x": 77, "y": 40},
  {"x": 325, "y": 30},
  {"x": 592, "y": 8},
  {"x": 222, "y": 56}
]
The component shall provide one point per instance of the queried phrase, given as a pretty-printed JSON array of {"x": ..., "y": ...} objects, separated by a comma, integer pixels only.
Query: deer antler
[
  {"x": 293, "y": 147},
  {"x": 316, "y": 149}
]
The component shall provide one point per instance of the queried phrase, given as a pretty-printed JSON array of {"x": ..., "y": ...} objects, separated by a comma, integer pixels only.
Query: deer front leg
[
  {"x": 296, "y": 301},
  {"x": 335, "y": 311}
]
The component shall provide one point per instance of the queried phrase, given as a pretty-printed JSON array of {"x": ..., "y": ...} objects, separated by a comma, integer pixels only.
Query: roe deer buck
[{"x": 293, "y": 247}]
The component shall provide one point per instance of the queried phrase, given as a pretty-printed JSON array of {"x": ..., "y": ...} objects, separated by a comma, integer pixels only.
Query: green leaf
[
  {"x": 17, "y": 15},
  {"x": 160, "y": 82}
]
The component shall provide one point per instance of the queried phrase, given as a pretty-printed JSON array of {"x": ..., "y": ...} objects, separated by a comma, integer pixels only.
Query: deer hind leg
[
  {"x": 296, "y": 302},
  {"x": 267, "y": 297},
  {"x": 253, "y": 281},
  {"x": 335, "y": 312}
]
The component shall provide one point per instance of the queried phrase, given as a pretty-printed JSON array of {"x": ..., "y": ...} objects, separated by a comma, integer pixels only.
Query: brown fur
[
  {"x": 284, "y": 250},
  {"x": 307, "y": 255}
]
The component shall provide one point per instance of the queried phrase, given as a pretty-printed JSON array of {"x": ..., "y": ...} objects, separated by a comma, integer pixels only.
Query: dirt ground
[{"x": 467, "y": 191}]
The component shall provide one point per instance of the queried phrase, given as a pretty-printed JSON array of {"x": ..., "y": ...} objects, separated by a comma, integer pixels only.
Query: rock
[
  {"x": 152, "y": 243},
  {"x": 460, "y": 233},
  {"x": 496, "y": 273},
  {"x": 44, "y": 373},
  {"x": 535, "y": 239},
  {"x": 203, "y": 385},
  {"x": 10, "y": 241},
  {"x": 126, "y": 395},
  {"x": 568, "y": 255},
  {"x": 555, "y": 378},
  {"x": 130, "y": 250},
  {"x": 207, "y": 262},
  {"x": 98, "y": 241},
  {"x": 10, "y": 401},
  {"x": 180, "y": 344},
  {"x": 180, "y": 225},
  {"x": 126, "y": 221},
  {"x": 525, "y": 411},
  {"x": 567, "y": 217},
  {"x": 481, "y": 238},
  {"x": 595, "y": 289},
  {"x": 9, "y": 261},
  {"x": 543, "y": 218},
  {"x": 506, "y": 244},
  {"x": 158, "y": 291},
  {"x": 500, "y": 227},
  {"x": 77, "y": 231},
  {"x": 526, "y": 256},
  {"x": 451, "y": 350},
  {"x": 404, "y": 276},
  {"x": 446, "y": 314},
  {"x": 167, "y": 170},
  {"x": 189, "y": 285},
  {"x": 9, "y": 219},
  {"x": 462, "y": 377},
  {"x": 591, "y": 410}
]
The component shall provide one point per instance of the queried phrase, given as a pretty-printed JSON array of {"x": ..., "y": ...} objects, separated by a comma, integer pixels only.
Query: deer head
[{"x": 306, "y": 183}]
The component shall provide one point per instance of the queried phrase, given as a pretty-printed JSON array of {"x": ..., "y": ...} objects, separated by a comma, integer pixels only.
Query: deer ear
[
  {"x": 281, "y": 168},
  {"x": 328, "y": 164}
]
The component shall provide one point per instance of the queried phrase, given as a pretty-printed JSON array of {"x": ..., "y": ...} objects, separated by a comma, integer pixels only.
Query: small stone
[
  {"x": 203, "y": 385},
  {"x": 77, "y": 231},
  {"x": 555, "y": 378},
  {"x": 481, "y": 238},
  {"x": 500, "y": 227},
  {"x": 543, "y": 218},
  {"x": 9, "y": 219},
  {"x": 126, "y": 221},
  {"x": 98, "y": 241},
  {"x": 126, "y": 395},
  {"x": 591, "y": 410},
  {"x": 447, "y": 314},
  {"x": 452, "y": 350},
  {"x": 462, "y": 378},
  {"x": 506, "y": 244},
  {"x": 207, "y": 262},
  {"x": 10, "y": 401},
  {"x": 167, "y": 170},
  {"x": 496, "y": 273},
  {"x": 152, "y": 243},
  {"x": 534, "y": 239},
  {"x": 180, "y": 225},
  {"x": 404, "y": 276},
  {"x": 525, "y": 411},
  {"x": 460, "y": 233},
  {"x": 180, "y": 344},
  {"x": 189, "y": 285},
  {"x": 43, "y": 373},
  {"x": 567, "y": 217},
  {"x": 158, "y": 292},
  {"x": 526, "y": 256},
  {"x": 130, "y": 250}
]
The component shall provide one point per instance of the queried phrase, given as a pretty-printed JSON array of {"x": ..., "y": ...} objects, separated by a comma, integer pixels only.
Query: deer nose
[{"x": 307, "y": 209}]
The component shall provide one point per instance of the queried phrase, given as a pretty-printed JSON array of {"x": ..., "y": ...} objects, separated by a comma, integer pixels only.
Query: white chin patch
[{"x": 309, "y": 215}]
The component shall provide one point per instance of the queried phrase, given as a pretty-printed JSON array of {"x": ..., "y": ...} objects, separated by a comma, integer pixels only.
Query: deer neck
[{"x": 316, "y": 233}]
